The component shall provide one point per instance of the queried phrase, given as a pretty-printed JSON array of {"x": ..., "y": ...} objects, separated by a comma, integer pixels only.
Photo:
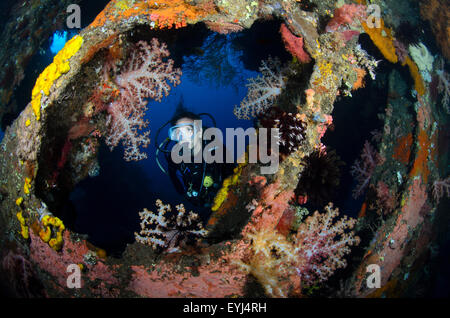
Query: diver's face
[{"x": 185, "y": 132}]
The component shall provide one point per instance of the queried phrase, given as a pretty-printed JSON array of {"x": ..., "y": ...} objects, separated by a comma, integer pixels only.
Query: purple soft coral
[
  {"x": 363, "y": 169},
  {"x": 441, "y": 188}
]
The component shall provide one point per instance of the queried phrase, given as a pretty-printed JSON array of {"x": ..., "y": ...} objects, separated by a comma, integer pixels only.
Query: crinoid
[
  {"x": 407, "y": 33},
  {"x": 320, "y": 177},
  {"x": 292, "y": 129}
]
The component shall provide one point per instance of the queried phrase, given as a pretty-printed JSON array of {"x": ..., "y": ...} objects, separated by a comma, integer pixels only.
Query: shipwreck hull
[{"x": 34, "y": 145}]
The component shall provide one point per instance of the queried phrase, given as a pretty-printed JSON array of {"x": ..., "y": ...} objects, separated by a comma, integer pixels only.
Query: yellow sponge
[{"x": 59, "y": 66}]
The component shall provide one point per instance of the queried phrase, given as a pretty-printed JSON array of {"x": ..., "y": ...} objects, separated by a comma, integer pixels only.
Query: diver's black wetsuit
[{"x": 187, "y": 178}]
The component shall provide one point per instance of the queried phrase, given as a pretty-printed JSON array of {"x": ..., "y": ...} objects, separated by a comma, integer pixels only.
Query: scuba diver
[{"x": 198, "y": 182}]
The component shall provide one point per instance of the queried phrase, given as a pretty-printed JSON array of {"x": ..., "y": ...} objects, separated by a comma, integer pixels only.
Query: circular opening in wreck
[
  {"x": 214, "y": 66},
  {"x": 72, "y": 128},
  {"x": 95, "y": 191}
]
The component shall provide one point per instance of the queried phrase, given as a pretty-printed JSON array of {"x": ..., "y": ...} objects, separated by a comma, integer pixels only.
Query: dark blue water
[{"x": 200, "y": 94}]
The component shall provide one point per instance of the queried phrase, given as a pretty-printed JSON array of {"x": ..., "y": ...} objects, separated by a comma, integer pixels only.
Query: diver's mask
[
  {"x": 188, "y": 132},
  {"x": 182, "y": 132}
]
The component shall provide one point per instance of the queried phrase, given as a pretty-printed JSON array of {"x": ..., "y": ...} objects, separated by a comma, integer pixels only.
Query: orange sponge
[
  {"x": 419, "y": 86},
  {"x": 383, "y": 39}
]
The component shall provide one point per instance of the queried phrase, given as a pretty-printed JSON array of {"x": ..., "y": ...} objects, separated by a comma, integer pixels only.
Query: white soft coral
[
  {"x": 444, "y": 85},
  {"x": 262, "y": 90}
]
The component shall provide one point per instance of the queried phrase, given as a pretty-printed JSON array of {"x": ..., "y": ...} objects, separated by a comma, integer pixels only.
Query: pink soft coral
[
  {"x": 322, "y": 244},
  {"x": 363, "y": 169},
  {"x": 145, "y": 75},
  {"x": 315, "y": 252}
]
